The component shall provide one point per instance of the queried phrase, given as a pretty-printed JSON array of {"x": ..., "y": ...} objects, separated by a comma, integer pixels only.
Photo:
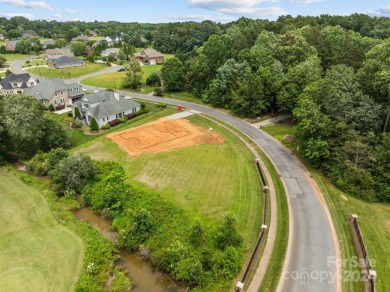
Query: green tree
[
  {"x": 77, "y": 113},
  {"x": 24, "y": 46},
  {"x": 227, "y": 235},
  {"x": 94, "y": 125},
  {"x": 78, "y": 48},
  {"x": 2, "y": 61},
  {"x": 197, "y": 236},
  {"x": 153, "y": 79},
  {"x": 134, "y": 73},
  {"x": 172, "y": 74},
  {"x": 73, "y": 172}
]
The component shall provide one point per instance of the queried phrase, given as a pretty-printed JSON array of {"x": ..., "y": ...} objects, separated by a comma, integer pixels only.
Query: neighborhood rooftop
[
  {"x": 15, "y": 78},
  {"x": 46, "y": 88}
]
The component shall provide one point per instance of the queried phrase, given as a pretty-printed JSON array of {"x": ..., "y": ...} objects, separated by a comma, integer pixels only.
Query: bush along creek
[{"x": 206, "y": 256}]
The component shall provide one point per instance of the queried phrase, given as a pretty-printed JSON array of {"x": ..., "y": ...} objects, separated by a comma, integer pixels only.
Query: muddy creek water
[{"x": 143, "y": 274}]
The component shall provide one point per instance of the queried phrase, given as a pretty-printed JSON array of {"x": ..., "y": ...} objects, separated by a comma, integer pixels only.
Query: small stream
[{"x": 144, "y": 275}]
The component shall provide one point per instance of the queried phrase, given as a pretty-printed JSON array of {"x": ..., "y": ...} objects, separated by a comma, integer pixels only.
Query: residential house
[
  {"x": 56, "y": 92},
  {"x": 28, "y": 34},
  {"x": 81, "y": 38},
  {"x": 105, "y": 106},
  {"x": 111, "y": 51},
  {"x": 101, "y": 42},
  {"x": 92, "y": 33},
  {"x": 57, "y": 53},
  {"x": 150, "y": 56},
  {"x": 2, "y": 38},
  {"x": 16, "y": 83},
  {"x": 111, "y": 40},
  {"x": 65, "y": 62},
  {"x": 45, "y": 44},
  {"x": 10, "y": 46}
]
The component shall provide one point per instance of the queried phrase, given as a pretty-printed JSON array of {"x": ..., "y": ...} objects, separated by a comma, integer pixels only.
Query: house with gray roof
[
  {"x": 80, "y": 38},
  {"x": 56, "y": 92},
  {"x": 16, "y": 83},
  {"x": 58, "y": 53},
  {"x": 45, "y": 44},
  {"x": 27, "y": 34},
  {"x": 105, "y": 106},
  {"x": 111, "y": 51},
  {"x": 65, "y": 62}
]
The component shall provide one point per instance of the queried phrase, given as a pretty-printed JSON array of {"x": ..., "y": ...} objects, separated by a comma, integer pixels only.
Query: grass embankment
[
  {"x": 35, "y": 62},
  {"x": 77, "y": 137},
  {"x": 68, "y": 73},
  {"x": 111, "y": 80},
  {"x": 205, "y": 180},
  {"x": 374, "y": 221},
  {"x": 36, "y": 253},
  {"x": 14, "y": 57}
]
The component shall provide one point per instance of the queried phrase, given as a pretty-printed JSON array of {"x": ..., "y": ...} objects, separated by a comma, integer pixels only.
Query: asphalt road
[{"x": 312, "y": 246}]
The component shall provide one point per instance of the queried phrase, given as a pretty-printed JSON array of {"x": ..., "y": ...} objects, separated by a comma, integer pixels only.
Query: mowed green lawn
[
  {"x": 107, "y": 80},
  {"x": 67, "y": 73},
  {"x": 206, "y": 180},
  {"x": 14, "y": 57},
  {"x": 36, "y": 253},
  {"x": 373, "y": 218}
]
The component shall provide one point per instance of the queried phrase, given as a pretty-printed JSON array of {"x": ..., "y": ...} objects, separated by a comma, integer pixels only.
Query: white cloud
[
  {"x": 222, "y": 4},
  {"x": 381, "y": 12},
  {"x": 56, "y": 16},
  {"x": 254, "y": 12},
  {"x": 306, "y": 1},
  {"x": 247, "y": 8},
  {"x": 26, "y": 15},
  {"x": 31, "y": 4},
  {"x": 70, "y": 11},
  {"x": 191, "y": 17}
]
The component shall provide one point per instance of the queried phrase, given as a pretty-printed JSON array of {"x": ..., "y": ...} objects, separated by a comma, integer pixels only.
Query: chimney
[{"x": 116, "y": 96}]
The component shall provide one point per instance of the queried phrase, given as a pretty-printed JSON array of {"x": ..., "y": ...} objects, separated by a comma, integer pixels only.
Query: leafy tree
[
  {"x": 153, "y": 79},
  {"x": 77, "y": 113},
  {"x": 14, "y": 33},
  {"x": 51, "y": 107},
  {"x": 134, "y": 73},
  {"x": 94, "y": 125},
  {"x": 60, "y": 43},
  {"x": 24, "y": 46},
  {"x": 197, "y": 236},
  {"x": 198, "y": 74},
  {"x": 2, "y": 61},
  {"x": 227, "y": 235},
  {"x": 73, "y": 172},
  {"x": 78, "y": 48},
  {"x": 172, "y": 74},
  {"x": 28, "y": 129}
]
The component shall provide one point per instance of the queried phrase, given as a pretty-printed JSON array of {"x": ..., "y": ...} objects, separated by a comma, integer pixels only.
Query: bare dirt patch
[{"x": 164, "y": 135}]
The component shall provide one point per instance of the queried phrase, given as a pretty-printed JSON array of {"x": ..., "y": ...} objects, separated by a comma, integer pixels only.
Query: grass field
[
  {"x": 68, "y": 72},
  {"x": 14, "y": 57},
  {"x": 374, "y": 221},
  {"x": 107, "y": 80},
  {"x": 36, "y": 253},
  {"x": 206, "y": 180},
  {"x": 36, "y": 62}
]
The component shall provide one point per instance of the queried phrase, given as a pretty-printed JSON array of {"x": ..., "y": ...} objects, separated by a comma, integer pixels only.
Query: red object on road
[{"x": 179, "y": 107}]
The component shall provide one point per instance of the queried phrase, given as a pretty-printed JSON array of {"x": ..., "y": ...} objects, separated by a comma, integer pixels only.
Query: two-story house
[
  {"x": 58, "y": 53},
  {"x": 16, "y": 83},
  {"x": 105, "y": 106},
  {"x": 111, "y": 51},
  {"x": 56, "y": 92}
]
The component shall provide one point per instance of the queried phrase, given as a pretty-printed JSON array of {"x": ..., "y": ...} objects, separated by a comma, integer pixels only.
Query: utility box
[{"x": 179, "y": 107}]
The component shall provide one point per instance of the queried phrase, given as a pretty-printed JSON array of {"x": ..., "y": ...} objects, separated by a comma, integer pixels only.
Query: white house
[
  {"x": 105, "y": 106},
  {"x": 16, "y": 83},
  {"x": 110, "y": 51}
]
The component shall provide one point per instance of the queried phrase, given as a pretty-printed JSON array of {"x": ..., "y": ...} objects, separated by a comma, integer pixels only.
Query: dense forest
[{"x": 331, "y": 72}]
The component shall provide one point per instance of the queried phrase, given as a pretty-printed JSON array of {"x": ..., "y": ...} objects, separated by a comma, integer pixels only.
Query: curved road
[
  {"x": 313, "y": 248},
  {"x": 312, "y": 251}
]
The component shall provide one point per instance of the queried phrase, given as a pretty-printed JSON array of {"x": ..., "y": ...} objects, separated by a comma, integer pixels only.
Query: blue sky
[{"x": 156, "y": 11}]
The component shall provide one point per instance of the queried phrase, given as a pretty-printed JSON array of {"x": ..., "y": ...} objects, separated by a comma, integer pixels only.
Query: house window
[
  {"x": 120, "y": 115},
  {"x": 55, "y": 102},
  {"x": 31, "y": 83},
  {"x": 55, "y": 94},
  {"x": 15, "y": 84},
  {"x": 104, "y": 119}
]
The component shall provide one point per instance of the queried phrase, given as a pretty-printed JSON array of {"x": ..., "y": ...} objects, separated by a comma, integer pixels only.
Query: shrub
[
  {"x": 123, "y": 119},
  {"x": 59, "y": 107},
  {"x": 153, "y": 79},
  {"x": 143, "y": 105},
  {"x": 140, "y": 112},
  {"x": 69, "y": 119},
  {"x": 70, "y": 194},
  {"x": 70, "y": 114},
  {"x": 51, "y": 107},
  {"x": 77, "y": 113},
  {"x": 106, "y": 127},
  {"x": 115, "y": 122},
  {"x": 77, "y": 123},
  {"x": 130, "y": 116},
  {"x": 158, "y": 92},
  {"x": 94, "y": 125}
]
